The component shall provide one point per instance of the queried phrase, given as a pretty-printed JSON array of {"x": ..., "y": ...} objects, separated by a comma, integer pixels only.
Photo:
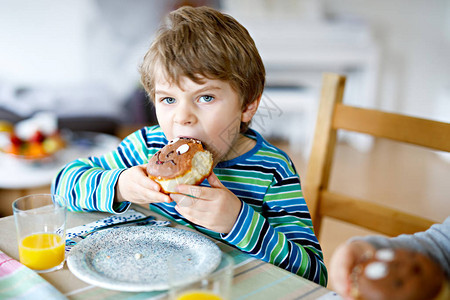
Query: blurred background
[
  {"x": 79, "y": 61},
  {"x": 80, "y": 58}
]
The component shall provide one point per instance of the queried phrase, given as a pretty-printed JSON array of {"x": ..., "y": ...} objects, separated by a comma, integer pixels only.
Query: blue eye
[
  {"x": 206, "y": 99},
  {"x": 168, "y": 100}
]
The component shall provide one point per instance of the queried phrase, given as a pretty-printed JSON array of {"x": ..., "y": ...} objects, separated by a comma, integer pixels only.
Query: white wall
[
  {"x": 414, "y": 38},
  {"x": 43, "y": 42},
  {"x": 51, "y": 42},
  {"x": 72, "y": 43}
]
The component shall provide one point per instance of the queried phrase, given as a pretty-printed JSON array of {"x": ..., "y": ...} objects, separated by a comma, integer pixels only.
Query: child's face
[{"x": 210, "y": 111}]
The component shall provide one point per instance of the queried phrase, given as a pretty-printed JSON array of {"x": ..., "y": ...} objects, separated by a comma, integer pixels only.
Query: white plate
[{"x": 136, "y": 259}]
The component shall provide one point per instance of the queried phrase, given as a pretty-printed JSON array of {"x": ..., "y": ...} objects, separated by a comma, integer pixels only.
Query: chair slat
[
  {"x": 323, "y": 146},
  {"x": 417, "y": 131},
  {"x": 371, "y": 215}
]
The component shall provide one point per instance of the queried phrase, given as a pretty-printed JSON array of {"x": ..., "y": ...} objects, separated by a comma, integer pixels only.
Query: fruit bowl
[
  {"x": 42, "y": 148},
  {"x": 36, "y": 139}
]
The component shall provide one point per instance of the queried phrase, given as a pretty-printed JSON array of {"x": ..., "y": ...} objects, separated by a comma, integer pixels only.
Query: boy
[{"x": 206, "y": 79}]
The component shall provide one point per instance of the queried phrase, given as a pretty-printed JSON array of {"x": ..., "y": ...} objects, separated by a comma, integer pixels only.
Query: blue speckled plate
[{"x": 136, "y": 259}]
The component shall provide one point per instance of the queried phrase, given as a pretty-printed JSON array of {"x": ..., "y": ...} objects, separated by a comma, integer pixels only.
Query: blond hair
[{"x": 204, "y": 43}]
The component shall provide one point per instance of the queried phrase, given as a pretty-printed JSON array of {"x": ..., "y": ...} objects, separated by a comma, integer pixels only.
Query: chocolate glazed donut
[
  {"x": 399, "y": 274},
  {"x": 181, "y": 161}
]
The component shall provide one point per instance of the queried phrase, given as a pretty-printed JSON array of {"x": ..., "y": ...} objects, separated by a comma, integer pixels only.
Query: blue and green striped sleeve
[
  {"x": 88, "y": 184},
  {"x": 282, "y": 234}
]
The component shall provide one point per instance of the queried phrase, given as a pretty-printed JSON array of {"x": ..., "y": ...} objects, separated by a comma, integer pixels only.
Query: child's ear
[{"x": 250, "y": 110}]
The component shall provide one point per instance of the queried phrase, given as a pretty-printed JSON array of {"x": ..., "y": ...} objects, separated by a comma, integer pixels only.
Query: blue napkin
[{"x": 130, "y": 214}]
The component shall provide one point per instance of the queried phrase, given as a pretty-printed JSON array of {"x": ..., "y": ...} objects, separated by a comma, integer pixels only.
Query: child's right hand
[{"x": 134, "y": 186}]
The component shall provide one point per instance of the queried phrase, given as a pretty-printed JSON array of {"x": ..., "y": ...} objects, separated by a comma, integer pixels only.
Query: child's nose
[{"x": 185, "y": 115}]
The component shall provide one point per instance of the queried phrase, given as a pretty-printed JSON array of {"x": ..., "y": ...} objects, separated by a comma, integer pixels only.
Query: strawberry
[
  {"x": 15, "y": 140},
  {"x": 38, "y": 137}
]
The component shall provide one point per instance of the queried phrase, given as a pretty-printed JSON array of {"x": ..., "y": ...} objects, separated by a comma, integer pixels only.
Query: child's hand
[
  {"x": 134, "y": 186},
  {"x": 215, "y": 207},
  {"x": 344, "y": 259}
]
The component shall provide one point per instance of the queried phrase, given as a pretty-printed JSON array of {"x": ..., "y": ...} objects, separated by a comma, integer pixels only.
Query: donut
[
  {"x": 181, "y": 161},
  {"x": 398, "y": 274}
]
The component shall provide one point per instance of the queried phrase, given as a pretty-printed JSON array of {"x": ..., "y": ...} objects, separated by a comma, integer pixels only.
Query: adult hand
[
  {"x": 135, "y": 186},
  {"x": 344, "y": 259},
  {"x": 215, "y": 207}
]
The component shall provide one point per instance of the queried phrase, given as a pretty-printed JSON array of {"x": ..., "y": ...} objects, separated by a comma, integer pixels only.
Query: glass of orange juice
[
  {"x": 41, "y": 229},
  {"x": 214, "y": 286}
]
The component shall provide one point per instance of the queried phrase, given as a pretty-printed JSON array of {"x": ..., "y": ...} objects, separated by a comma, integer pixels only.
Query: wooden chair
[{"x": 333, "y": 115}]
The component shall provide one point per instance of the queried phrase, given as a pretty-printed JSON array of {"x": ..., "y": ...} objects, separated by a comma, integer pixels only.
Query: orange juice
[
  {"x": 199, "y": 295},
  {"x": 42, "y": 251}
]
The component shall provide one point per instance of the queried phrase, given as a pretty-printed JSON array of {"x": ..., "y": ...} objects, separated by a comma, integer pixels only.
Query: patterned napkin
[
  {"x": 129, "y": 215},
  {"x": 19, "y": 282}
]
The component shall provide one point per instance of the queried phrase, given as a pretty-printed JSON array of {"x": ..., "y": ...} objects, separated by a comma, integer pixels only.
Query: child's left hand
[{"x": 215, "y": 207}]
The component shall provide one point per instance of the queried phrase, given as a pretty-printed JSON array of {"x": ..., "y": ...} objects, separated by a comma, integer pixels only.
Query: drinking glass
[
  {"x": 41, "y": 227},
  {"x": 214, "y": 286}
]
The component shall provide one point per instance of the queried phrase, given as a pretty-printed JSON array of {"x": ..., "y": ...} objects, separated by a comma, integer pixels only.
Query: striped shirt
[{"x": 274, "y": 223}]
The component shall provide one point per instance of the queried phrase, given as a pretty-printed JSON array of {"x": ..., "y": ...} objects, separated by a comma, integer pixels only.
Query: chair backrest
[{"x": 333, "y": 115}]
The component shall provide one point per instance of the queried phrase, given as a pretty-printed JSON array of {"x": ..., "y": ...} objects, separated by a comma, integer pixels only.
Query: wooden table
[{"x": 253, "y": 279}]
